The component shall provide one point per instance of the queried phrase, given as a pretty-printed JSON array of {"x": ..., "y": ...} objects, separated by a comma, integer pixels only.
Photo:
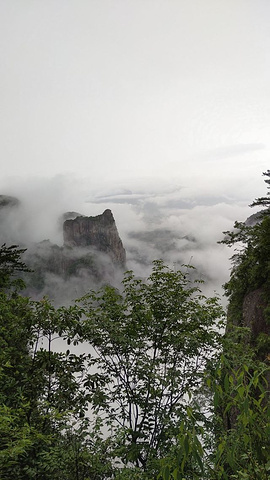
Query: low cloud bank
[{"x": 156, "y": 219}]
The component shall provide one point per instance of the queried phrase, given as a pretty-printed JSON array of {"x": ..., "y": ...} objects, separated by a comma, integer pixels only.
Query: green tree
[
  {"x": 15, "y": 331},
  {"x": 151, "y": 344},
  {"x": 207, "y": 447},
  {"x": 242, "y": 426},
  {"x": 263, "y": 201},
  {"x": 43, "y": 433},
  {"x": 244, "y": 378},
  {"x": 10, "y": 264}
]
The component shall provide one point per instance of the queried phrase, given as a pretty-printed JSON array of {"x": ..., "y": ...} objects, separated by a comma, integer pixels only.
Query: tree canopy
[{"x": 151, "y": 345}]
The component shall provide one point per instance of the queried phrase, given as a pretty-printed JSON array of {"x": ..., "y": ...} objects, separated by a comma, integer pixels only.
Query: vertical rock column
[{"x": 99, "y": 232}]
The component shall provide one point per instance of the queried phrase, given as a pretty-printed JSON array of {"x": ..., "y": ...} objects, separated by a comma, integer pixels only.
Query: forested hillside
[{"x": 146, "y": 382}]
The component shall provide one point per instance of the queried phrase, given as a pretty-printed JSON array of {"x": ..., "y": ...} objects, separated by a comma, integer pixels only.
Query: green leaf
[{"x": 166, "y": 473}]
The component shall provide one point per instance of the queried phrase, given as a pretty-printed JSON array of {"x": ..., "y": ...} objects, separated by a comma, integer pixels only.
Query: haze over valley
[{"x": 162, "y": 222}]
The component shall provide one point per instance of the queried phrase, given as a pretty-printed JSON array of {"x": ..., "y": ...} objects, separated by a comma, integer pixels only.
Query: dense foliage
[
  {"x": 151, "y": 346},
  {"x": 42, "y": 401},
  {"x": 244, "y": 403},
  {"x": 251, "y": 260},
  {"x": 99, "y": 389}
]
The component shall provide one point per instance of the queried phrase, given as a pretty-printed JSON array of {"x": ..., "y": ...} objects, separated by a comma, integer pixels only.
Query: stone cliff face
[
  {"x": 99, "y": 232},
  {"x": 92, "y": 255},
  {"x": 255, "y": 317},
  {"x": 254, "y": 306}
]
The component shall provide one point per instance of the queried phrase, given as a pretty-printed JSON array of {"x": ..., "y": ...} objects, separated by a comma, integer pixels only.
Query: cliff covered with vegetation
[{"x": 248, "y": 289}]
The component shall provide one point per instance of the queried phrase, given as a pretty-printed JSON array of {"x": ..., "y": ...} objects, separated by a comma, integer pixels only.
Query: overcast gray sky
[
  {"x": 119, "y": 89},
  {"x": 154, "y": 108}
]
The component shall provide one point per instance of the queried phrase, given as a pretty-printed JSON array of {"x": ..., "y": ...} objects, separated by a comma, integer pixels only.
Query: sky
[{"x": 157, "y": 109}]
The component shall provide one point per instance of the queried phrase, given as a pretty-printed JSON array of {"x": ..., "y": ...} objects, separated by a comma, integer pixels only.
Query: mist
[{"x": 178, "y": 223}]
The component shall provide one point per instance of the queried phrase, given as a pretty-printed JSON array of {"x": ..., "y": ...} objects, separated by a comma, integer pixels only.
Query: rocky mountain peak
[{"x": 99, "y": 232}]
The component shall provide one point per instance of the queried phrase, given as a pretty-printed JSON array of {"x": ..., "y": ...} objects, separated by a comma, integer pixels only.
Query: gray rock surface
[{"x": 99, "y": 232}]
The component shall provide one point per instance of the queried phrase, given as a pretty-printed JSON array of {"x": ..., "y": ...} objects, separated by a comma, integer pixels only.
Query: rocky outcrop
[
  {"x": 254, "y": 219},
  {"x": 255, "y": 317},
  {"x": 254, "y": 306},
  {"x": 98, "y": 232},
  {"x": 92, "y": 255},
  {"x": 253, "y": 314}
]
